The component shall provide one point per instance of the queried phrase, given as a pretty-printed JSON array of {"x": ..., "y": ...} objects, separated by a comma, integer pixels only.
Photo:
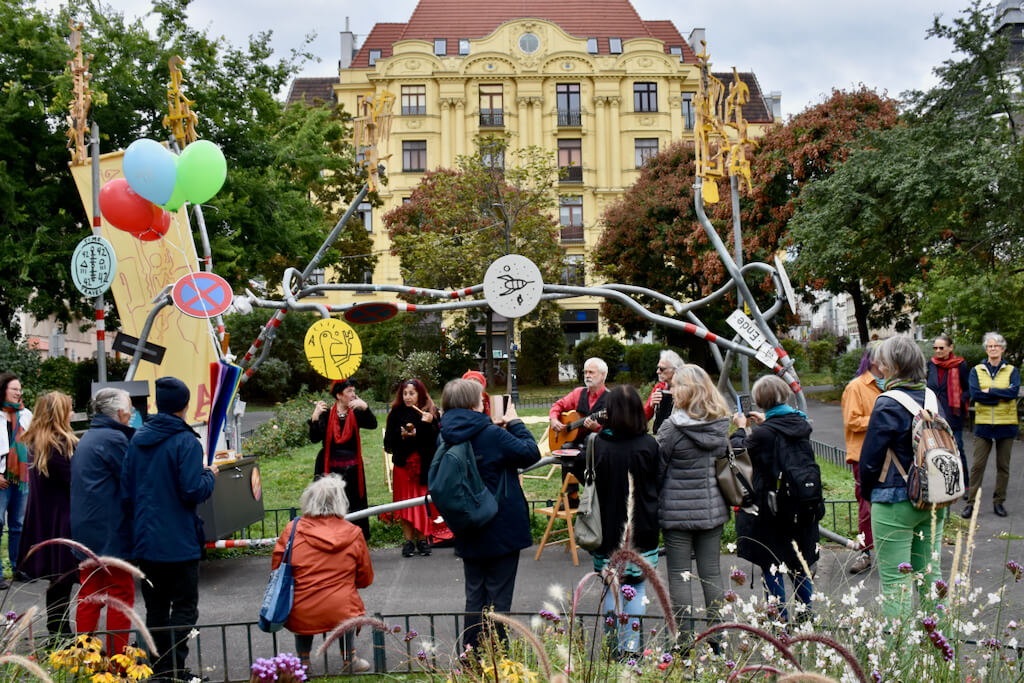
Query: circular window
[{"x": 529, "y": 43}]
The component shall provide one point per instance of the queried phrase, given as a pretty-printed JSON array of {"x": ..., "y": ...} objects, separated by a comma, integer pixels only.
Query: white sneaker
[{"x": 356, "y": 665}]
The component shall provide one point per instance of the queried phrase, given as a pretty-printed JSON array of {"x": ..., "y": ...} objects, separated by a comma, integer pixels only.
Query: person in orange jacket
[
  {"x": 330, "y": 561},
  {"x": 858, "y": 401}
]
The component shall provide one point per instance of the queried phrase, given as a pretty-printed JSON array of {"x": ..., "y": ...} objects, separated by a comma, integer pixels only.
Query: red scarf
[
  {"x": 335, "y": 433},
  {"x": 951, "y": 364}
]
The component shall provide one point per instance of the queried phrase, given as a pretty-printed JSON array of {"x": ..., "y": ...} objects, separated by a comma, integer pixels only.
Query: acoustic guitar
[{"x": 572, "y": 421}]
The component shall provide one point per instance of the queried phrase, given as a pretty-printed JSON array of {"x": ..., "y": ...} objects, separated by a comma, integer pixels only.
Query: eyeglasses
[
  {"x": 661, "y": 369},
  {"x": 938, "y": 348}
]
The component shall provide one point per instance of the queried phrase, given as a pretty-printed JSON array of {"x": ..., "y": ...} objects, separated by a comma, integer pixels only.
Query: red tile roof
[
  {"x": 455, "y": 19},
  {"x": 381, "y": 38},
  {"x": 756, "y": 110},
  {"x": 309, "y": 90}
]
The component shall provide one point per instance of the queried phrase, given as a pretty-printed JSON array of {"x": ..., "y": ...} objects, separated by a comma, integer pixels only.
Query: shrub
[
  {"x": 423, "y": 366},
  {"x": 378, "y": 375},
  {"x": 821, "y": 353},
  {"x": 609, "y": 349},
  {"x": 844, "y": 368},
  {"x": 642, "y": 360},
  {"x": 540, "y": 353},
  {"x": 23, "y": 362},
  {"x": 58, "y": 374},
  {"x": 272, "y": 380},
  {"x": 287, "y": 430},
  {"x": 796, "y": 351}
]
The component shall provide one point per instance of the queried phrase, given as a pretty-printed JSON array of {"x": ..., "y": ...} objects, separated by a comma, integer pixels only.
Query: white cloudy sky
[{"x": 802, "y": 47}]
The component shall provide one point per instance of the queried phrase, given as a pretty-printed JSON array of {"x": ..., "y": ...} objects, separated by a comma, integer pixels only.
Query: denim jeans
[
  {"x": 629, "y": 638},
  {"x": 12, "y": 508}
]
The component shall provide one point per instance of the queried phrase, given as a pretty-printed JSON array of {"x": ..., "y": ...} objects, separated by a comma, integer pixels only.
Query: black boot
[
  {"x": 422, "y": 547},
  {"x": 408, "y": 549}
]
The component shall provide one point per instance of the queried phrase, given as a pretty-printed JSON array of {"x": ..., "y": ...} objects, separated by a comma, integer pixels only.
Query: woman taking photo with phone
[{"x": 411, "y": 438}]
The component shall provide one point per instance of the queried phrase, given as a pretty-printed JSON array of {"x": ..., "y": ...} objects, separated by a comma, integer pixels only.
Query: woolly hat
[
  {"x": 478, "y": 376},
  {"x": 172, "y": 395}
]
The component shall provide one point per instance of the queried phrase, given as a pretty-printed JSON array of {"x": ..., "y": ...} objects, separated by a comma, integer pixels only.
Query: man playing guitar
[{"x": 585, "y": 400}]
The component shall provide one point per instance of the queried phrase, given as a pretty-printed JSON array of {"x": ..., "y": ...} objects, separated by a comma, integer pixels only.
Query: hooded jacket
[
  {"x": 330, "y": 561},
  {"x": 100, "y": 519},
  {"x": 761, "y": 538},
  {"x": 690, "y": 499},
  {"x": 163, "y": 480},
  {"x": 497, "y": 451}
]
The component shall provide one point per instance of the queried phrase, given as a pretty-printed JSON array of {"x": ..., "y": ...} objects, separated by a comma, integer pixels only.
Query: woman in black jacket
[
  {"x": 767, "y": 538},
  {"x": 338, "y": 428},
  {"x": 411, "y": 438},
  {"x": 624, "y": 454}
]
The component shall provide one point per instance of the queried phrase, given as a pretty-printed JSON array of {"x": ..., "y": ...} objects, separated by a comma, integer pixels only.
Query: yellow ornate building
[{"x": 587, "y": 79}]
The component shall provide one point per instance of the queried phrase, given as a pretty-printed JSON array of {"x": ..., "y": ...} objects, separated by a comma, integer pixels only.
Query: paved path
[{"x": 230, "y": 590}]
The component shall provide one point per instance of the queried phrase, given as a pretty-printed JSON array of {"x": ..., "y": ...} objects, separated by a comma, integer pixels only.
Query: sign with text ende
[{"x": 746, "y": 328}]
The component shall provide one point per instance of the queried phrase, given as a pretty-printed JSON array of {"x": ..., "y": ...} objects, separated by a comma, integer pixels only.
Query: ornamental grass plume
[
  {"x": 26, "y": 664},
  {"x": 353, "y": 623},
  {"x": 110, "y": 602}
]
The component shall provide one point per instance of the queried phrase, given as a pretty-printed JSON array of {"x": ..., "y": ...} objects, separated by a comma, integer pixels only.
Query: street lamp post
[{"x": 512, "y": 387}]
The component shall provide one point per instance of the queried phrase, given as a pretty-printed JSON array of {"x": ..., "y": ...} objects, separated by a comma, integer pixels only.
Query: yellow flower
[
  {"x": 105, "y": 677},
  {"x": 137, "y": 653},
  {"x": 138, "y": 672}
]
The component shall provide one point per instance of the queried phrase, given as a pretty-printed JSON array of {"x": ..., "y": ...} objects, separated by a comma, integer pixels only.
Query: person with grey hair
[
  {"x": 490, "y": 554},
  {"x": 779, "y": 533},
  {"x": 586, "y": 403},
  {"x": 330, "y": 562},
  {"x": 994, "y": 386},
  {"x": 659, "y": 403},
  {"x": 100, "y": 519},
  {"x": 903, "y": 534}
]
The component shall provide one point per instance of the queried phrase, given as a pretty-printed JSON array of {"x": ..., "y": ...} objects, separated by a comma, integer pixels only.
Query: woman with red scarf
[
  {"x": 13, "y": 466},
  {"x": 338, "y": 428},
  {"x": 948, "y": 377},
  {"x": 411, "y": 438}
]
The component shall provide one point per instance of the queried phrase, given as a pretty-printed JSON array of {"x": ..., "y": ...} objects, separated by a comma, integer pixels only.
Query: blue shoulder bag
[{"x": 277, "y": 599}]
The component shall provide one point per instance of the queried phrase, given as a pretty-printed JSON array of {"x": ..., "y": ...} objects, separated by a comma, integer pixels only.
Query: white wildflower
[
  {"x": 774, "y": 569},
  {"x": 193, "y": 634},
  {"x": 645, "y": 601},
  {"x": 993, "y": 598},
  {"x": 731, "y": 547},
  {"x": 556, "y": 592},
  {"x": 686, "y": 576}
]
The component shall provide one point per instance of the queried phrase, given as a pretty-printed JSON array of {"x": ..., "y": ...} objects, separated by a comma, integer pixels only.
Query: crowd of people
[{"x": 132, "y": 494}]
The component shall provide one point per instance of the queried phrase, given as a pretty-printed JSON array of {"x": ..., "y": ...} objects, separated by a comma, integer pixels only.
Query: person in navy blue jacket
[
  {"x": 98, "y": 519},
  {"x": 490, "y": 554},
  {"x": 903, "y": 534},
  {"x": 164, "y": 479}
]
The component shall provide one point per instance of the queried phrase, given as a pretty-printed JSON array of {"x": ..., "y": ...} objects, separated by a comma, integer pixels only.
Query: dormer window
[
  {"x": 463, "y": 46},
  {"x": 592, "y": 45},
  {"x": 440, "y": 47},
  {"x": 374, "y": 56},
  {"x": 615, "y": 46}
]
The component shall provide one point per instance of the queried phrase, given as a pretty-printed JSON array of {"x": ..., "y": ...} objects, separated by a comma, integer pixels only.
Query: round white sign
[
  {"x": 93, "y": 265},
  {"x": 513, "y": 286}
]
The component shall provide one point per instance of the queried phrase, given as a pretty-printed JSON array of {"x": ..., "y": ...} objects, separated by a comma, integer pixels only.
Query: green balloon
[
  {"x": 177, "y": 197},
  {"x": 201, "y": 171}
]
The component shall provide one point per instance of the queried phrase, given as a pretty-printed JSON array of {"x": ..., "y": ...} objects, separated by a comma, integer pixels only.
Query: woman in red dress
[{"x": 411, "y": 438}]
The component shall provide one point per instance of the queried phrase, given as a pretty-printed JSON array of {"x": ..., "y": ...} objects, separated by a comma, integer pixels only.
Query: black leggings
[{"x": 58, "y": 601}]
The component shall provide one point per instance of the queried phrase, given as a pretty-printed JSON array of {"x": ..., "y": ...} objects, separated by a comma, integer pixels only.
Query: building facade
[{"x": 590, "y": 81}]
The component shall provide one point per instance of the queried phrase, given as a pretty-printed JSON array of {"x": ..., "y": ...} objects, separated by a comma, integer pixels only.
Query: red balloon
[
  {"x": 124, "y": 208},
  {"x": 161, "y": 220},
  {"x": 149, "y": 235}
]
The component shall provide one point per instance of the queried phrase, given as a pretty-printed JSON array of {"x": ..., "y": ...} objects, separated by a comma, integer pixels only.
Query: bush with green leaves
[
  {"x": 607, "y": 348},
  {"x": 423, "y": 366},
  {"x": 378, "y": 375},
  {"x": 57, "y": 374},
  {"x": 797, "y": 352},
  {"x": 540, "y": 352},
  {"x": 287, "y": 430},
  {"x": 821, "y": 353},
  {"x": 642, "y": 360},
  {"x": 23, "y": 362},
  {"x": 844, "y": 367}
]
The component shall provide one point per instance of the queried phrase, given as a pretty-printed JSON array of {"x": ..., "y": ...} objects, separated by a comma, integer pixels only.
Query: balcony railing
[
  {"x": 414, "y": 111},
  {"x": 572, "y": 233},
  {"x": 569, "y": 119},
  {"x": 492, "y": 119},
  {"x": 571, "y": 174}
]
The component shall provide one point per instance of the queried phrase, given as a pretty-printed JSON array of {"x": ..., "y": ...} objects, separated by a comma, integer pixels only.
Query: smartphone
[
  {"x": 506, "y": 401},
  {"x": 745, "y": 403}
]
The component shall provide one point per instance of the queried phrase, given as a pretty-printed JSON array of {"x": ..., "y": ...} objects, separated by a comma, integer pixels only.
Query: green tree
[
  {"x": 450, "y": 230},
  {"x": 275, "y": 207}
]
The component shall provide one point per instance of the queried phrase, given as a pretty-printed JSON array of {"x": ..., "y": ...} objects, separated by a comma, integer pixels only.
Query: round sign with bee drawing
[
  {"x": 333, "y": 348},
  {"x": 513, "y": 286}
]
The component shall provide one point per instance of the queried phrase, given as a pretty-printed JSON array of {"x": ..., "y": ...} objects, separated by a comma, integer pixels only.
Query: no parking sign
[{"x": 202, "y": 295}]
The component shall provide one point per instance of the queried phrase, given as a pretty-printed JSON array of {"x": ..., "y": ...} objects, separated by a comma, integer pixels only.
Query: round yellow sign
[{"x": 333, "y": 348}]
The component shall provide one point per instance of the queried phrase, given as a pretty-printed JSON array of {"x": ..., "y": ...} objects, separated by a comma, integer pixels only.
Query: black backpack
[{"x": 798, "y": 490}]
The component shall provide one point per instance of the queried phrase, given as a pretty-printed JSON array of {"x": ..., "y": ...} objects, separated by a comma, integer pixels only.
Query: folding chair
[{"x": 560, "y": 510}]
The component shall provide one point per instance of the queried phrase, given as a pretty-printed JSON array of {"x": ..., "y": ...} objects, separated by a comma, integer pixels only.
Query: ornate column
[
  {"x": 675, "y": 109},
  {"x": 615, "y": 140},
  {"x": 460, "y": 124},
  {"x": 522, "y": 108},
  {"x": 538, "y": 123},
  {"x": 447, "y": 143},
  {"x": 601, "y": 161}
]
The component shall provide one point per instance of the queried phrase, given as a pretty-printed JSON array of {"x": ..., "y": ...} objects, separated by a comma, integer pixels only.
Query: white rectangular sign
[
  {"x": 766, "y": 354},
  {"x": 746, "y": 328}
]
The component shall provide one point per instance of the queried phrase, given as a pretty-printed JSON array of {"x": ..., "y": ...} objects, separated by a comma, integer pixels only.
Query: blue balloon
[{"x": 150, "y": 169}]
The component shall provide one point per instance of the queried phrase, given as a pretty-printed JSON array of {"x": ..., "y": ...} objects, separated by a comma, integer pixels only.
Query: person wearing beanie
[{"x": 163, "y": 479}]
